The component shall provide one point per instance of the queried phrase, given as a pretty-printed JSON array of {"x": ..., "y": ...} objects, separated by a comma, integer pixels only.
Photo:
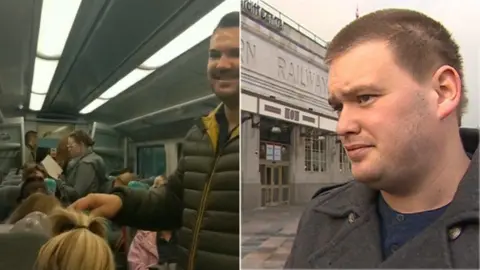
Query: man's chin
[{"x": 362, "y": 172}]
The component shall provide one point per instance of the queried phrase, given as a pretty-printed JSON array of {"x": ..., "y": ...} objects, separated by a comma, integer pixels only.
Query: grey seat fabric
[
  {"x": 9, "y": 194},
  {"x": 35, "y": 222},
  {"x": 11, "y": 182},
  {"x": 19, "y": 250},
  {"x": 13, "y": 174},
  {"x": 21, "y": 242},
  {"x": 8, "y": 200}
]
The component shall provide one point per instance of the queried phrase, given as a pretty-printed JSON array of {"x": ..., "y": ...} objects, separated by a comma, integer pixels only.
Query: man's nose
[
  {"x": 347, "y": 122},
  {"x": 224, "y": 62}
]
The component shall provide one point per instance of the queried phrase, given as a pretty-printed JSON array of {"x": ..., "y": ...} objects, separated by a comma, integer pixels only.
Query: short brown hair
[
  {"x": 82, "y": 137},
  {"x": 31, "y": 168},
  {"x": 420, "y": 44}
]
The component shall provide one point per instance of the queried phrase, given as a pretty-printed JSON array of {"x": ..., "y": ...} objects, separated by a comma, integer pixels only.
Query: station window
[
  {"x": 343, "y": 160},
  {"x": 315, "y": 153}
]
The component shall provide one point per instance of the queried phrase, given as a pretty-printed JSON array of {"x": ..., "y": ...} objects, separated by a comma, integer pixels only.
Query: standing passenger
[
  {"x": 30, "y": 150},
  {"x": 86, "y": 170},
  {"x": 201, "y": 199}
]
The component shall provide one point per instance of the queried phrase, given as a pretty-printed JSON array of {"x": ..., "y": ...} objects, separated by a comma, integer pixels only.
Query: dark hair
[
  {"x": 81, "y": 136},
  {"x": 231, "y": 19},
  {"x": 420, "y": 44},
  {"x": 32, "y": 185},
  {"x": 30, "y": 134},
  {"x": 30, "y": 169}
]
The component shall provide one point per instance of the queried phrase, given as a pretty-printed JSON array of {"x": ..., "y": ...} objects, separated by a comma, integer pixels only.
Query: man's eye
[
  {"x": 365, "y": 98},
  {"x": 215, "y": 54}
]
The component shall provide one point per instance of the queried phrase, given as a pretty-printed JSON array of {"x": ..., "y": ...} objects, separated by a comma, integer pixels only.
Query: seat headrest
[
  {"x": 9, "y": 194},
  {"x": 26, "y": 245}
]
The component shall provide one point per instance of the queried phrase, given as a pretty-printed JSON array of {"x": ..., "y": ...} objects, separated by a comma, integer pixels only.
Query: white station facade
[{"x": 288, "y": 147}]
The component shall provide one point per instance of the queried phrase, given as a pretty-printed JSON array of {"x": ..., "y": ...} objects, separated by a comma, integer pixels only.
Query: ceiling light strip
[
  {"x": 55, "y": 24},
  {"x": 196, "y": 33}
]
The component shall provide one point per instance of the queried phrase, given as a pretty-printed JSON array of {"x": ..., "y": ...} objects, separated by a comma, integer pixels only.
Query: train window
[{"x": 151, "y": 161}]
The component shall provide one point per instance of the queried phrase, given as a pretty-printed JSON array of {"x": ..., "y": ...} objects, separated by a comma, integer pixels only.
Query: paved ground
[{"x": 267, "y": 236}]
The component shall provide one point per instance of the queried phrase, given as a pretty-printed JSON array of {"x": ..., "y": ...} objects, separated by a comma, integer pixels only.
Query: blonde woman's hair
[{"x": 78, "y": 243}]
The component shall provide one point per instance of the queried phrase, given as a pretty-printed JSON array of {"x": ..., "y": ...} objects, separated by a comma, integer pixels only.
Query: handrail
[{"x": 294, "y": 24}]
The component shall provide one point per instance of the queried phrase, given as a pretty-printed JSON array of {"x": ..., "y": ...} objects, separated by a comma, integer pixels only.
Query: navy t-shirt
[{"x": 397, "y": 228}]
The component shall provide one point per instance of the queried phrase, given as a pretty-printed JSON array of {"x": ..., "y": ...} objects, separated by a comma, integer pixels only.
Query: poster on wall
[
  {"x": 270, "y": 152},
  {"x": 277, "y": 153}
]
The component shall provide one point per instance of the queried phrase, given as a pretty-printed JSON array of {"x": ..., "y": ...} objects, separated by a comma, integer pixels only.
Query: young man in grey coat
[{"x": 396, "y": 81}]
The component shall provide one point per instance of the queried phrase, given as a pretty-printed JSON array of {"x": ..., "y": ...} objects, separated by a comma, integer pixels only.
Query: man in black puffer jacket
[{"x": 201, "y": 199}]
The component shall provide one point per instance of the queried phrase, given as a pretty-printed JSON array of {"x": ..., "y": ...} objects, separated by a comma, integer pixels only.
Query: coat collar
[
  {"x": 357, "y": 197},
  {"x": 358, "y": 202},
  {"x": 211, "y": 125}
]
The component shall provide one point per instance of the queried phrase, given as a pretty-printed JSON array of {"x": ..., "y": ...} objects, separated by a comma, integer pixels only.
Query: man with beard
[
  {"x": 396, "y": 81},
  {"x": 201, "y": 199}
]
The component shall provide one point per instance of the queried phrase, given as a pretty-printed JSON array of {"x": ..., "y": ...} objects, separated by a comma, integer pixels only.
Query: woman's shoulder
[{"x": 91, "y": 158}]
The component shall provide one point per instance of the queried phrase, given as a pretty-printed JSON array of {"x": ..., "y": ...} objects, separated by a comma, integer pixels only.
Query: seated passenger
[
  {"x": 12, "y": 196},
  {"x": 123, "y": 178},
  {"x": 28, "y": 169},
  {"x": 63, "y": 192},
  {"x": 33, "y": 169},
  {"x": 51, "y": 237},
  {"x": 66, "y": 231},
  {"x": 78, "y": 242},
  {"x": 143, "y": 251},
  {"x": 31, "y": 185},
  {"x": 149, "y": 249},
  {"x": 37, "y": 202},
  {"x": 138, "y": 184},
  {"x": 159, "y": 181},
  {"x": 86, "y": 170}
]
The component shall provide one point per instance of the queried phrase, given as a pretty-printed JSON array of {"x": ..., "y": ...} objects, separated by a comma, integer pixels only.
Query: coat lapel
[
  {"x": 356, "y": 244},
  {"x": 430, "y": 249}
]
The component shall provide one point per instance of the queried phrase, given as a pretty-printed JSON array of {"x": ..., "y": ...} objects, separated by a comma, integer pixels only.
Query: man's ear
[{"x": 447, "y": 84}]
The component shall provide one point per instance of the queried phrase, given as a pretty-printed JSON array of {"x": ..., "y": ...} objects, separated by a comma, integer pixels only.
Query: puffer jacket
[{"x": 201, "y": 198}]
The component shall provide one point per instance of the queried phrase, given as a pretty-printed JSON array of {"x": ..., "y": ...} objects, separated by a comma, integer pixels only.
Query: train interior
[{"x": 130, "y": 73}]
